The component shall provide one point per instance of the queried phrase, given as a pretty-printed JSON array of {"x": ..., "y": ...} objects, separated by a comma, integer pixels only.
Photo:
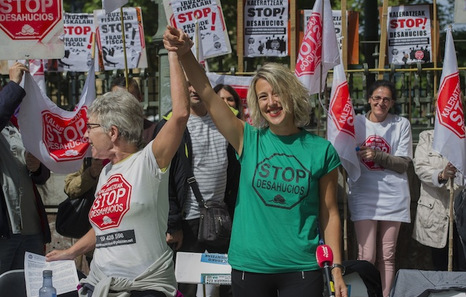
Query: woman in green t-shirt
[{"x": 287, "y": 193}]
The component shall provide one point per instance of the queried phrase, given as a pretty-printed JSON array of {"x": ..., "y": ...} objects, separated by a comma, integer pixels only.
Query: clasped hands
[{"x": 177, "y": 41}]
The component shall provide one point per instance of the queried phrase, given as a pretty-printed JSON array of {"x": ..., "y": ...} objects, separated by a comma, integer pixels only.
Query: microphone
[{"x": 324, "y": 256}]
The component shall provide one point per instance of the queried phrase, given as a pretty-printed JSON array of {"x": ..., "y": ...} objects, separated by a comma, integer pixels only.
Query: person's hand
[
  {"x": 366, "y": 153},
  {"x": 448, "y": 172},
  {"x": 32, "y": 163},
  {"x": 175, "y": 239},
  {"x": 56, "y": 255},
  {"x": 176, "y": 40},
  {"x": 340, "y": 287},
  {"x": 17, "y": 71}
]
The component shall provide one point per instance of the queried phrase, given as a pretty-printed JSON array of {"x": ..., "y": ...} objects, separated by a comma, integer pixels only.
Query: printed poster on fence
[
  {"x": 266, "y": 28},
  {"x": 109, "y": 37},
  {"x": 183, "y": 14},
  {"x": 460, "y": 11},
  {"x": 336, "y": 14},
  {"x": 409, "y": 34},
  {"x": 78, "y": 39}
]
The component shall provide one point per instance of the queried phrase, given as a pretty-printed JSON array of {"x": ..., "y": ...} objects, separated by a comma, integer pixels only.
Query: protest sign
[
  {"x": 208, "y": 14},
  {"x": 266, "y": 28},
  {"x": 409, "y": 34},
  {"x": 109, "y": 37},
  {"x": 31, "y": 29},
  {"x": 336, "y": 14},
  {"x": 79, "y": 38},
  {"x": 460, "y": 11}
]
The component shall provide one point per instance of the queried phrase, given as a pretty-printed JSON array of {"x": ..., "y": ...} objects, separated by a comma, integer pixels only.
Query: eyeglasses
[
  {"x": 90, "y": 126},
  {"x": 384, "y": 99}
]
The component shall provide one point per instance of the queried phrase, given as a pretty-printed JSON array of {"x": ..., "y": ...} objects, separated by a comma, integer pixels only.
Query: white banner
[
  {"x": 266, "y": 28},
  {"x": 340, "y": 123},
  {"x": 319, "y": 46},
  {"x": 111, "y": 5},
  {"x": 110, "y": 38},
  {"x": 449, "y": 133},
  {"x": 184, "y": 14},
  {"x": 409, "y": 34},
  {"x": 53, "y": 135}
]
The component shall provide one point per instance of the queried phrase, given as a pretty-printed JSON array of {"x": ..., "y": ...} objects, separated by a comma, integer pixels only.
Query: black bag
[
  {"x": 73, "y": 216},
  {"x": 214, "y": 221},
  {"x": 214, "y": 224}
]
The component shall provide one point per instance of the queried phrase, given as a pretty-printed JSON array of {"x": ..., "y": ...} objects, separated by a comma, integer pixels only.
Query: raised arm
[
  {"x": 168, "y": 139},
  {"x": 227, "y": 123},
  {"x": 12, "y": 94}
]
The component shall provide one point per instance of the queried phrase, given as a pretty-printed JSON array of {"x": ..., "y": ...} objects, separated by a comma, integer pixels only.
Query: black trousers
[{"x": 292, "y": 284}]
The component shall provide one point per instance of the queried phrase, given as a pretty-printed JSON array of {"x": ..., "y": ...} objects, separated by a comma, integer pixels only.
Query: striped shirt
[{"x": 210, "y": 162}]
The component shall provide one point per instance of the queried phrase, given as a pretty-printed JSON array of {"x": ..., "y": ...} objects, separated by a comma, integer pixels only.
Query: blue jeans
[{"x": 12, "y": 250}]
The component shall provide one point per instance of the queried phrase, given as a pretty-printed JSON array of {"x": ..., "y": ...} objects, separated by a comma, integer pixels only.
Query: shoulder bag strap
[{"x": 194, "y": 186}]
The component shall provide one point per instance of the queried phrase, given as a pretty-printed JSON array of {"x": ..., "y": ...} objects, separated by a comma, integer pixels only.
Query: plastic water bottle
[{"x": 47, "y": 289}]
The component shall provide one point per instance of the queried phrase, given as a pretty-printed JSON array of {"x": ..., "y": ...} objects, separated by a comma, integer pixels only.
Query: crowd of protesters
[{"x": 283, "y": 198}]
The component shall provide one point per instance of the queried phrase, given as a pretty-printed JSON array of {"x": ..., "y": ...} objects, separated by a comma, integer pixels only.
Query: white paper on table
[{"x": 65, "y": 276}]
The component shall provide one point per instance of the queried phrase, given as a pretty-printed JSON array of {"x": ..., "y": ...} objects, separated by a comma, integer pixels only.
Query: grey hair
[
  {"x": 121, "y": 109},
  {"x": 294, "y": 97}
]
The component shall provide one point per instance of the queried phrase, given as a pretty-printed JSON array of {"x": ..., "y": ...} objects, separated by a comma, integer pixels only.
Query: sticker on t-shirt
[
  {"x": 377, "y": 143},
  {"x": 115, "y": 238},
  {"x": 281, "y": 181},
  {"x": 111, "y": 203}
]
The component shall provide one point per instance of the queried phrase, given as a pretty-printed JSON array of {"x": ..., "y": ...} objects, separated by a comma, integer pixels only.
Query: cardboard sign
[
  {"x": 31, "y": 29},
  {"x": 202, "y": 268}
]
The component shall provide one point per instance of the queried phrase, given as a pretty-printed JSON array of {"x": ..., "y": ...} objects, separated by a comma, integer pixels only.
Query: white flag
[
  {"x": 111, "y": 5},
  {"x": 318, "y": 52},
  {"x": 53, "y": 135},
  {"x": 340, "y": 123},
  {"x": 449, "y": 132}
]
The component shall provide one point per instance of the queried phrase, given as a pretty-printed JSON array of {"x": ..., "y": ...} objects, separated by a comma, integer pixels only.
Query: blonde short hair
[{"x": 294, "y": 97}]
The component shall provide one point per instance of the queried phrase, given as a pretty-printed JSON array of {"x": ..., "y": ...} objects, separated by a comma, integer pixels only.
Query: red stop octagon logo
[
  {"x": 29, "y": 19},
  {"x": 111, "y": 203},
  {"x": 377, "y": 143}
]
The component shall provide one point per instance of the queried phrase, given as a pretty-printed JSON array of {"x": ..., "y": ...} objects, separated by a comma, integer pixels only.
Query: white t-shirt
[
  {"x": 380, "y": 193},
  {"x": 130, "y": 215},
  {"x": 210, "y": 162}
]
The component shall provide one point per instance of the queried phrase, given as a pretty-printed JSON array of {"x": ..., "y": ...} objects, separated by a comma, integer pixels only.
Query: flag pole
[
  {"x": 196, "y": 34},
  {"x": 124, "y": 45},
  {"x": 383, "y": 37},
  {"x": 450, "y": 229},
  {"x": 345, "y": 216},
  {"x": 93, "y": 46},
  {"x": 321, "y": 68}
]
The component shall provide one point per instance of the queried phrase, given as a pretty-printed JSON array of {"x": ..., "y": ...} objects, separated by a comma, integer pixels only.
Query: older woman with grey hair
[{"x": 130, "y": 211}]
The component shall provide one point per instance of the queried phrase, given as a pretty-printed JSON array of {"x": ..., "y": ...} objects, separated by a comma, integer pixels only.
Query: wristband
[{"x": 342, "y": 268}]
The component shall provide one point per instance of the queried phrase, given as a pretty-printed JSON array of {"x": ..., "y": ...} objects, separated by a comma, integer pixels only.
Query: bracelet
[{"x": 342, "y": 268}]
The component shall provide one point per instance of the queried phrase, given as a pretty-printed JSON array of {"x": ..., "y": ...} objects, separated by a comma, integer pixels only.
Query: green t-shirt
[{"x": 275, "y": 228}]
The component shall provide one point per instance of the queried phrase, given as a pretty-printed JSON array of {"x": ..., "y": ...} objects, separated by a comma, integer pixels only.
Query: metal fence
[{"x": 416, "y": 87}]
